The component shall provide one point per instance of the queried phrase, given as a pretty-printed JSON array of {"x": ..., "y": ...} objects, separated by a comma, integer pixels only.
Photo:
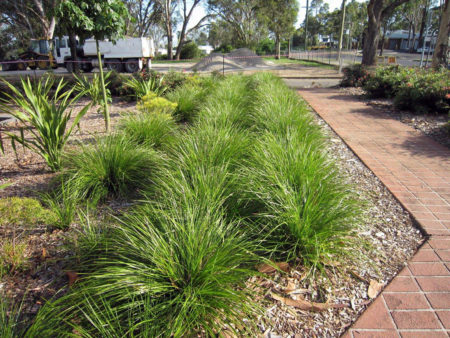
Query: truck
[{"x": 127, "y": 54}]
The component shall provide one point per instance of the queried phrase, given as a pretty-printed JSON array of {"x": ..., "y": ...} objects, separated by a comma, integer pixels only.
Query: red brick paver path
[{"x": 417, "y": 172}]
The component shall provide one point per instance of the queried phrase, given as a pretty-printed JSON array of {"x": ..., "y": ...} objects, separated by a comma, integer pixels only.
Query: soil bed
[{"x": 387, "y": 229}]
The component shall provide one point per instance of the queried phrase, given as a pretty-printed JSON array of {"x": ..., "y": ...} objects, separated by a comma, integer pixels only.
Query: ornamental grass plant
[
  {"x": 111, "y": 167},
  {"x": 247, "y": 180},
  {"x": 154, "y": 130}
]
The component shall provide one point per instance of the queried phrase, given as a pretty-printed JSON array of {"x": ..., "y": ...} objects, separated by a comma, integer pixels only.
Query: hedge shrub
[{"x": 419, "y": 90}]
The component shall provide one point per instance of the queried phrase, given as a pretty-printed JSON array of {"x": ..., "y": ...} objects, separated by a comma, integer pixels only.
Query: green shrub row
[{"x": 415, "y": 89}]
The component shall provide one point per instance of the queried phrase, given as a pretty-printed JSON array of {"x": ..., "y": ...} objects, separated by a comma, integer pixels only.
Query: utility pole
[
  {"x": 341, "y": 35},
  {"x": 306, "y": 25},
  {"x": 425, "y": 38}
]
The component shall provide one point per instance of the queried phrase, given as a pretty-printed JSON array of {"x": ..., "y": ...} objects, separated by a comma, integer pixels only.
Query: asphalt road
[
  {"x": 350, "y": 57},
  {"x": 311, "y": 83}
]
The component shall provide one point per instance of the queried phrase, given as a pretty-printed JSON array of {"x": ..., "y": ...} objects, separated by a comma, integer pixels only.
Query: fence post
[{"x": 223, "y": 64}]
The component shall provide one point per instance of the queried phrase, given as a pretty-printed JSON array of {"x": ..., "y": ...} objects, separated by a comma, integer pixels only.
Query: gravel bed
[
  {"x": 433, "y": 125},
  {"x": 391, "y": 240}
]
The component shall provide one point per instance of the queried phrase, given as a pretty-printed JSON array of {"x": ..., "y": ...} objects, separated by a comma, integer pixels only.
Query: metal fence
[{"x": 329, "y": 56}]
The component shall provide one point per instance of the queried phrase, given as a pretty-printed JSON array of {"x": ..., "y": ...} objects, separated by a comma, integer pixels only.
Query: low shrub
[
  {"x": 24, "y": 212},
  {"x": 233, "y": 188},
  {"x": 174, "y": 79},
  {"x": 152, "y": 104},
  {"x": 424, "y": 92},
  {"x": 93, "y": 88},
  {"x": 190, "y": 50},
  {"x": 308, "y": 206},
  {"x": 111, "y": 167},
  {"x": 228, "y": 104},
  {"x": 156, "y": 130},
  {"x": 118, "y": 87},
  {"x": 419, "y": 90},
  {"x": 63, "y": 203},
  {"x": 224, "y": 48},
  {"x": 354, "y": 76},
  {"x": 161, "y": 279},
  {"x": 11, "y": 324}
]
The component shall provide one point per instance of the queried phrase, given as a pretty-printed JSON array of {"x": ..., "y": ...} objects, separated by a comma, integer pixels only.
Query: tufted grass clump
[
  {"x": 111, "y": 167},
  {"x": 172, "y": 268},
  {"x": 156, "y": 130}
]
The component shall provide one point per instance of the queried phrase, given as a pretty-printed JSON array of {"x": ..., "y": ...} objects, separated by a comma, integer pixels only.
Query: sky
[{"x": 200, "y": 11}]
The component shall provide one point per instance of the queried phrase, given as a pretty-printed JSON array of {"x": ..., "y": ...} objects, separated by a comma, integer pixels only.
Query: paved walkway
[{"x": 417, "y": 172}]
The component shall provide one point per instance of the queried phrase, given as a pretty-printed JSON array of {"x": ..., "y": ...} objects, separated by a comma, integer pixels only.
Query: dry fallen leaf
[
  {"x": 266, "y": 268},
  {"x": 357, "y": 276},
  {"x": 73, "y": 276},
  {"x": 306, "y": 305},
  {"x": 291, "y": 289},
  {"x": 374, "y": 289},
  {"x": 44, "y": 253}
]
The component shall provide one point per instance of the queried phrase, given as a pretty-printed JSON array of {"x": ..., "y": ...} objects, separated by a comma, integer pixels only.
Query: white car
[{"x": 427, "y": 49}]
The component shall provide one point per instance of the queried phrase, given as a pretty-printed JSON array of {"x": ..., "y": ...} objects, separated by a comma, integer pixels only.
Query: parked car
[{"x": 427, "y": 49}]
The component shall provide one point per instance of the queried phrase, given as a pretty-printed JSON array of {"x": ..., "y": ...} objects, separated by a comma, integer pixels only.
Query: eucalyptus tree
[
  {"x": 35, "y": 16},
  {"x": 280, "y": 17},
  {"x": 144, "y": 16},
  {"x": 168, "y": 11},
  {"x": 242, "y": 17},
  {"x": 377, "y": 12},
  {"x": 187, "y": 10}
]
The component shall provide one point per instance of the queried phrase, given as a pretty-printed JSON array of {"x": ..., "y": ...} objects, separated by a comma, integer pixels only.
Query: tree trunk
[
  {"x": 306, "y": 25},
  {"x": 278, "y": 44},
  {"x": 441, "y": 49},
  {"x": 382, "y": 39},
  {"x": 341, "y": 34},
  {"x": 409, "y": 35},
  {"x": 370, "y": 44},
  {"x": 372, "y": 34},
  {"x": 180, "y": 45},
  {"x": 169, "y": 43},
  {"x": 167, "y": 4},
  {"x": 376, "y": 12},
  {"x": 73, "y": 52},
  {"x": 411, "y": 48},
  {"x": 102, "y": 81},
  {"x": 422, "y": 25},
  {"x": 349, "y": 42}
]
